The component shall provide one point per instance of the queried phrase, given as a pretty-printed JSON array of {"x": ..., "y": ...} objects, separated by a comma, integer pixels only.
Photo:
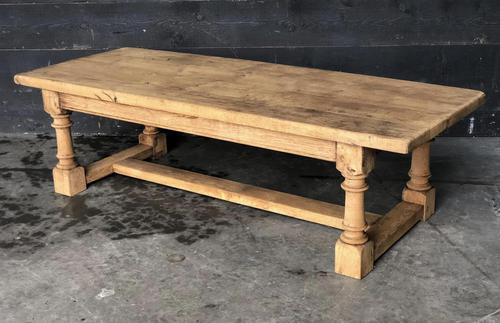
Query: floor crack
[
  {"x": 484, "y": 318},
  {"x": 441, "y": 233}
]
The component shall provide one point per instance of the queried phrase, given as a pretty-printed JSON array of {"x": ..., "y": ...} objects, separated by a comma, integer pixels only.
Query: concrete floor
[{"x": 131, "y": 251}]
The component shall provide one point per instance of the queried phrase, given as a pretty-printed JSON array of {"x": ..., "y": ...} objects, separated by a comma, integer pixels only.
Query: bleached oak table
[{"x": 333, "y": 116}]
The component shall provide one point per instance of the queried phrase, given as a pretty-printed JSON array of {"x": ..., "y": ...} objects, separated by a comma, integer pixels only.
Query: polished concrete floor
[{"x": 130, "y": 251}]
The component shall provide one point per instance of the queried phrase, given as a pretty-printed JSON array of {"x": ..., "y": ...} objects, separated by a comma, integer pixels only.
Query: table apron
[{"x": 252, "y": 136}]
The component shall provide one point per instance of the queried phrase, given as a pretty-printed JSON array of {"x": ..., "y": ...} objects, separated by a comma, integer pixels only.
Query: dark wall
[{"x": 439, "y": 41}]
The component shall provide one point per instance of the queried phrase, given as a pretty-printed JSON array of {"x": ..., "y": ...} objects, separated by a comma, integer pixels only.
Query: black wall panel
[{"x": 439, "y": 41}]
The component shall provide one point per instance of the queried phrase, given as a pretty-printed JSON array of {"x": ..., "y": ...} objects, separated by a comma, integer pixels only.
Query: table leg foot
[
  {"x": 427, "y": 199},
  {"x": 69, "y": 182},
  {"x": 355, "y": 261}
]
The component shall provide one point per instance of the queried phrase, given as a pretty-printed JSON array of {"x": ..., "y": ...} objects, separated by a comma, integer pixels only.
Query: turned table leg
[
  {"x": 418, "y": 189},
  {"x": 69, "y": 178},
  {"x": 151, "y": 136},
  {"x": 353, "y": 250}
]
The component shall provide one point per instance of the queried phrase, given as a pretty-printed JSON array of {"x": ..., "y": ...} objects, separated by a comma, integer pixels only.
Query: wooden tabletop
[{"x": 380, "y": 113}]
